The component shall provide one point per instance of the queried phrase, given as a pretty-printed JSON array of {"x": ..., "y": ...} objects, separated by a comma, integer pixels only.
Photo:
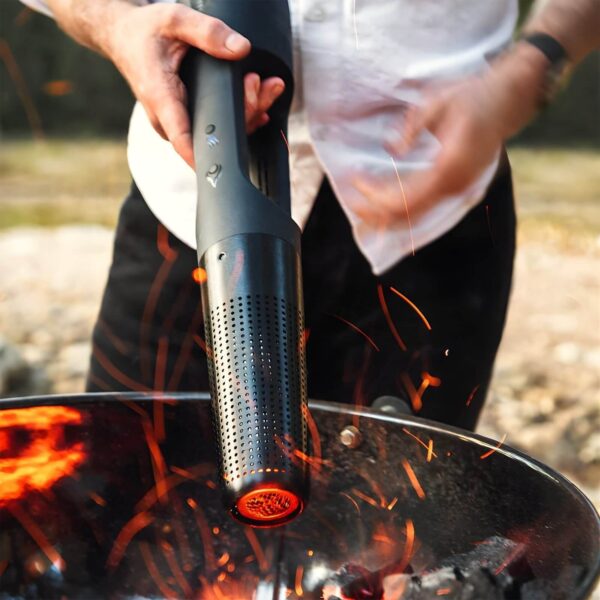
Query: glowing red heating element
[
  {"x": 268, "y": 506},
  {"x": 34, "y": 453}
]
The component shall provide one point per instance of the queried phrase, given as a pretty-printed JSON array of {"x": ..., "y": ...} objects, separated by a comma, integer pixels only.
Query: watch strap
[{"x": 550, "y": 47}]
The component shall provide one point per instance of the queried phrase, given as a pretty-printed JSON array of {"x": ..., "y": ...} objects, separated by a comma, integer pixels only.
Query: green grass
[
  {"x": 84, "y": 181},
  {"x": 62, "y": 181}
]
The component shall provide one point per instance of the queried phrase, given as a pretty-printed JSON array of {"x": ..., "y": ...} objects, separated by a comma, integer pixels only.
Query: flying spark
[
  {"x": 413, "y": 306},
  {"x": 413, "y": 479},
  {"x": 490, "y": 452},
  {"x": 412, "y": 242}
]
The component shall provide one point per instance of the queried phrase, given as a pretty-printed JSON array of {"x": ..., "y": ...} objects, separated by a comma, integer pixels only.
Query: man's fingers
[
  {"x": 416, "y": 119},
  {"x": 251, "y": 91},
  {"x": 259, "y": 97},
  {"x": 206, "y": 33},
  {"x": 270, "y": 90},
  {"x": 173, "y": 118},
  {"x": 397, "y": 197}
]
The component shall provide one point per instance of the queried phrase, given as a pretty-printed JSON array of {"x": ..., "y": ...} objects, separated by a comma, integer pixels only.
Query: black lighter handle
[{"x": 243, "y": 181}]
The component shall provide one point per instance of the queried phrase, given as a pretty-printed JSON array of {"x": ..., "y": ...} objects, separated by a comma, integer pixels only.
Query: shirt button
[{"x": 316, "y": 13}]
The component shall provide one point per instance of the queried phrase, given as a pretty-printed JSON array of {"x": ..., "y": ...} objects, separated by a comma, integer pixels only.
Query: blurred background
[{"x": 63, "y": 174}]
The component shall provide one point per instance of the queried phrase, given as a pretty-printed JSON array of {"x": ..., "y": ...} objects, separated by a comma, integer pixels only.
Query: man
[{"x": 398, "y": 179}]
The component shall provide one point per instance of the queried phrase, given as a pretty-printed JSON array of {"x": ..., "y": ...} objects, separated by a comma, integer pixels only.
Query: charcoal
[{"x": 455, "y": 584}]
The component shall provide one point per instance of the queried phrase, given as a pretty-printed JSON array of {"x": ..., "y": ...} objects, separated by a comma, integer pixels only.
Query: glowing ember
[
  {"x": 46, "y": 459},
  {"x": 199, "y": 275}
]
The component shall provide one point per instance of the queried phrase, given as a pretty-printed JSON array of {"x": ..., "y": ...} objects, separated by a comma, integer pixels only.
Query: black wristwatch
[{"x": 559, "y": 65}]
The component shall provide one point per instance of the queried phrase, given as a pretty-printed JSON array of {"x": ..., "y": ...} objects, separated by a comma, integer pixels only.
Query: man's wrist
[
  {"x": 115, "y": 10},
  {"x": 520, "y": 73}
]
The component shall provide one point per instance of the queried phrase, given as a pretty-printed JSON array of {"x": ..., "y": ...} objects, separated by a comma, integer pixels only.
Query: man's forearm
[
  {"x": 518, "y": 78},
  {"x": 89, "y": 22},
  {"x": 574, "y": 23}
]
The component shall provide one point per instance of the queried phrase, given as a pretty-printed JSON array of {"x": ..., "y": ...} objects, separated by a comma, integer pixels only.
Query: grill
[{"x": 96, "y": 519}]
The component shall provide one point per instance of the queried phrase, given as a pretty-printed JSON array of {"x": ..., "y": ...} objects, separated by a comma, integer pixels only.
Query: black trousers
[{"x": 365, "y": 340}]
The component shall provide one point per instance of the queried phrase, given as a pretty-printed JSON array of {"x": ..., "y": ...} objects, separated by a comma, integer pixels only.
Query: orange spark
[
  {"x": 384, "y": 539},
  {"x": 413, "y": 306},
  {"x": 199, "y": 275},
  {"x": 127, "y": 533},
  {"x": 472, "y": 395},
  {"x": 184, "y": 473},
  {"x": 313, "y": 430},
  {"x": 391, "y": 505},
  {"x": 413, "y": 479},
  {"x": 186, "y": 349},
  {"x": 354, "y": 502},
  {"x": 358, "y": 330},
  {"x": 160, "y": 368},
  {"x": 32, "y": 528},
  {"x": 99, "y": 500},
  {"x": 166, "y": 591},
  {"x": 207, "y": 543},
  {"x": 15, "y": 73},
  {"x": 170, "y": 482},
  {"x": 415, "y": 397},
  {"x": 366, "y": 498},
  {"x": 375, "y": 487},
  {"x": 432, "y": 380},
  {"x": 198, "y": 340},
  {"x": 285, "y": 140},
  {"x": 443, "y": 591},
  {"x": 223, "y": 559},
  {"x": 159, "y": 466},
  {"x": 162, "y": 243},
  {"x": 169, "y": 255},
  {"x": 408, "y": 547},
  {"x": 298, "y": 581},
  {"x": 169, "y": 554},
  {"x": 59, "y": 87},
  {"x": 257, "y": 549},
  {"x": 418, "y": 439},
  {"x": 116, "y": 374},
  {"x": 388, "y": 318},
  {"x": 509, "y": 559},
  {"x": 412, "y": 242},
  {"x": 490, "y": 452},
  {"x": 430, "y": 450}
]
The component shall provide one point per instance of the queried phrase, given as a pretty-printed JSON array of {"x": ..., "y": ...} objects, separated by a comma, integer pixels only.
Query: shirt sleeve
[{"x": 39, "y": 5}]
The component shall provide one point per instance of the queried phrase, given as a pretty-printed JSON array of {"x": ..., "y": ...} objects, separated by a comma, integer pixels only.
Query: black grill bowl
[{"x": 118, "y": 496}]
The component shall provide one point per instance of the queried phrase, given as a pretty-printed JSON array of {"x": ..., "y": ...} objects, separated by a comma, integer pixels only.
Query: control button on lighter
[{"x": 213, "y": 173}]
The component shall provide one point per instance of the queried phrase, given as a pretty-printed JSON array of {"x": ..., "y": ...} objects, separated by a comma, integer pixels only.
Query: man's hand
[
  {"x": 147, "y": 43},
  {"x": 460, "y": 118},
  {"x": 470, "y": 120}
]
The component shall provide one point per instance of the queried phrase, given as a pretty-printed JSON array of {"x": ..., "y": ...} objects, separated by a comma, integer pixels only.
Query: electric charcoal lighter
[{"x": 249, "y": 247}]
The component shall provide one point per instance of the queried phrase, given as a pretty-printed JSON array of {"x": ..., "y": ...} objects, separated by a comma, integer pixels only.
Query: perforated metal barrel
[{"x": 252, "y": 302}]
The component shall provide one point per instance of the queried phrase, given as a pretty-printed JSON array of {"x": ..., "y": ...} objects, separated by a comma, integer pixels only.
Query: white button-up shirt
[{"x": 358, "y": 65}]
